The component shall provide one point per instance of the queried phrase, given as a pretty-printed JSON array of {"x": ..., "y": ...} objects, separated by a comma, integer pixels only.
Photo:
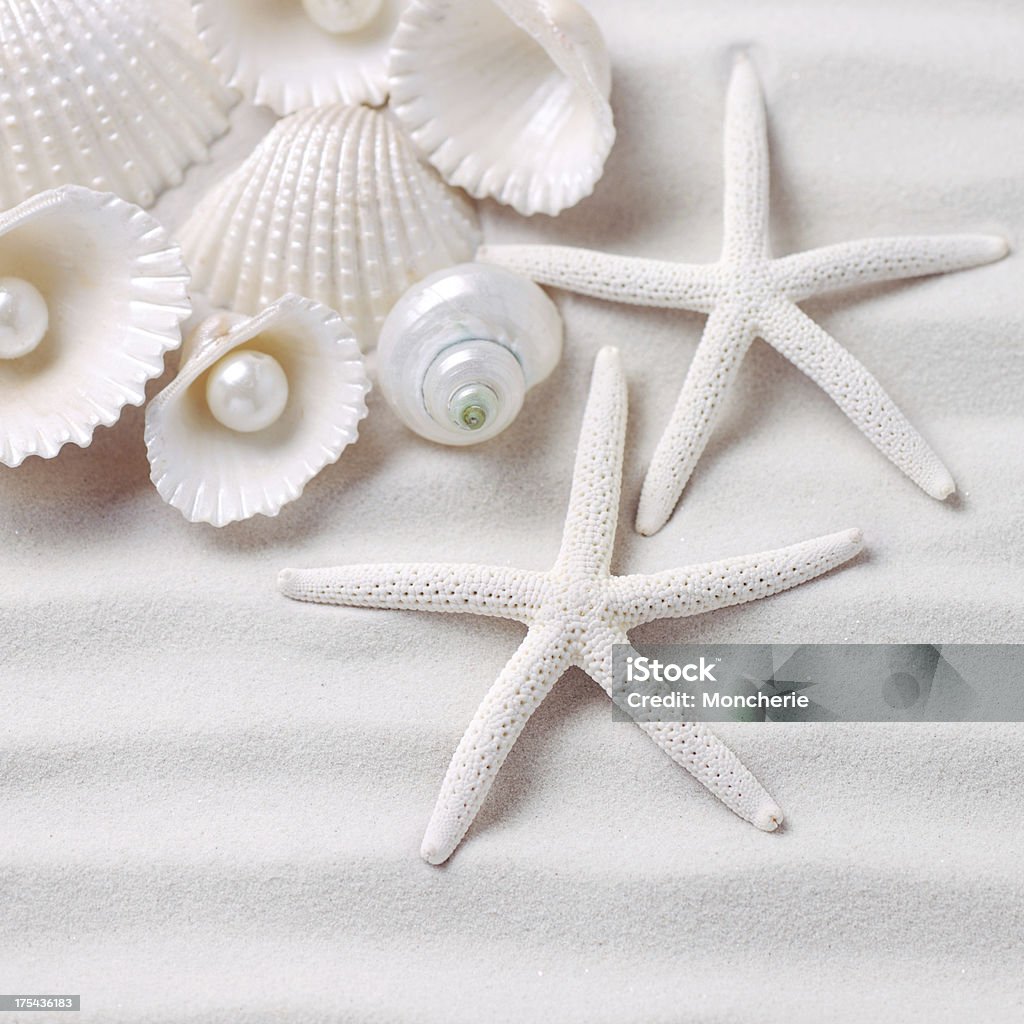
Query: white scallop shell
[
  {"x": 116, "y": 290},
  {"x": 109, "y": 94},
  {"x": 275, "y": 54},
  {"x": 334, "y": 204},
  {"x": 507, "y": 98},
  {"x": 215, "y": 475}
]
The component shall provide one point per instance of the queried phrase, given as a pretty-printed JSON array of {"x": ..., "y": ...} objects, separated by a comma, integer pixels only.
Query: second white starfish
[
  {"x": 575, "y": 613},
  {"x": 749, "y": 294}
]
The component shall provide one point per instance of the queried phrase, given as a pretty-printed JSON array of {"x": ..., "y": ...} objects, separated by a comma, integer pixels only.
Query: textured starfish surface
[
  {"x": 575, "y": 613},
  {"x": 749, "y": 294}
]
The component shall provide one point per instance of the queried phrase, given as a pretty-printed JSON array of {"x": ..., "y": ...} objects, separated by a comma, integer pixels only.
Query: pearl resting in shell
[
  {"x": 113, "y": 95},
  {"x": 335, "y": 205},
  {"x": 507, "y": 98},
  {"x": 292, "y": 54},
  {"x": 92, "y": 294},
  {"x": 220, "y": 452}
]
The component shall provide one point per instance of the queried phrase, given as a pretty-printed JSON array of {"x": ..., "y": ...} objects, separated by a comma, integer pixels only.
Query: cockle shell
[
  {"x": 279, "y": 56},
  {"x": 110, "y": 94},
  {"x": 507, "y": 98},
  {"x": 215, "y": 475},
  {"x": 335, "y": 205},
  {"x": 116, "y": 291}
]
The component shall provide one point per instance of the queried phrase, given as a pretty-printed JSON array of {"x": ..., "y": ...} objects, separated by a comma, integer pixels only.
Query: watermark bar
[
  {"x": 818, "y": 683},
  {"x": 46, "y": 1004}
]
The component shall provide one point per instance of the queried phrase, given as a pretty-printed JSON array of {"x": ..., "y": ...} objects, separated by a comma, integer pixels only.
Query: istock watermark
[{"x": 819, "y": 683}]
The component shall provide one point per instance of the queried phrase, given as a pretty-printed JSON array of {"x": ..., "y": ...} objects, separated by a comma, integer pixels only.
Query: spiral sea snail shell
[{"x": 459, "y": 351}]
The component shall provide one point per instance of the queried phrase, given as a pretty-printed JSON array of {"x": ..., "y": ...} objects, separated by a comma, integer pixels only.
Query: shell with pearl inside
[
  {"x": 259, "y": 407},
  {"x": 92, "y": 295},
  {"x": 293, "y": 54}
]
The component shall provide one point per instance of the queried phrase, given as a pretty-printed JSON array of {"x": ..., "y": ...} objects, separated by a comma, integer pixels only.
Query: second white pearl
[
  {"x": 342, "y": 15},
  {"x": 247, "y": 391},
  {"x": 24, "y": 318}
]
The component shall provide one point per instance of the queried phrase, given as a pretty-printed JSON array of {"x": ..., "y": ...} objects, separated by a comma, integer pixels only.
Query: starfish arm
[
  {"x": 701, "y": 588},
  {"x": 589, "y": 535},
  {"x": 727, "y": 336},
  {"x": 745, "y": 233},
  {"x": 882, "y": 259},
  {"x": 476, "y": 589},
  {"x": 694, "y": 746},
  {"x": 628, "y": 279},
  {"x": 697, "y": 749},
  {"x": 524, "y": 682},
  {"x": 796, "y": 336}
]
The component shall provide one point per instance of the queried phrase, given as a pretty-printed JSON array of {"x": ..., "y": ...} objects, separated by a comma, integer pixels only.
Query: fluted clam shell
[
  {"x": 215, "y": 475},
  {"x": 109, "y": 94},
  {"x": 116, "y": 290},
  {"x": 336, "y": 205},
  {"x": 508, "y": 99},
  {"x": 277, "y": 56}
]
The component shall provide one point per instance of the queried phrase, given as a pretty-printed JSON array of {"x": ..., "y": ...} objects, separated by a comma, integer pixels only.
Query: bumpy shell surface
[
  {"x": 215, "y": 475},
  {"x": 109, "y": 94},
  {"x": 116, "y": 290},
  {"x": 507, "y": 98},
  {"x": 275, "y": 54},
  {"x": 335, "y": 205}
]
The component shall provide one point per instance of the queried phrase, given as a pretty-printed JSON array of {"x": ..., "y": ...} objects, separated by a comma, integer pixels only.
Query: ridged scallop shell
[
  {"x": 275, "y": 54},
  {"x": 116, "y": 290},
  {"x": 109, "y": 94},
  {"x": 336, "y": 205},
  {"x": 507, "y": 98},
  {"x": 215, "y": 475}
]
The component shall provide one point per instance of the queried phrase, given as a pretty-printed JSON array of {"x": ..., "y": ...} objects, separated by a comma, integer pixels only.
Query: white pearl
[
  {"x": 247, "y": 391},
  {"x": 342, "y": 15},
  {"x": 24, "y": 318}
]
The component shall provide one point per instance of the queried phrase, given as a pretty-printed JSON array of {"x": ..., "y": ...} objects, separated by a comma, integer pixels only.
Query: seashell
[
  {"x": 92, "y": 294},
  {"x": 288, "y": 55},
  {"x": 342, "y": 15},
  {"x": 259, "y": 407},
  {"x": 109, "y": 94},
  {"x": 461, "y": 349},
  {"x": 334, "y": 205},
  {"x": 507, "y": 98}
]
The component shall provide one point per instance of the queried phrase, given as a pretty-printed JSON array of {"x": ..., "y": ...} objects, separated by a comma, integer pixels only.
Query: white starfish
[
  {"x": 575, "y": 612},
  {"x": 747, "y": 294}
]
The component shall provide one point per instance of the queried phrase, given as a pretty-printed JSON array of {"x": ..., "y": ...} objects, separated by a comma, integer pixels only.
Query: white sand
[{"x": 212, "y": 799}]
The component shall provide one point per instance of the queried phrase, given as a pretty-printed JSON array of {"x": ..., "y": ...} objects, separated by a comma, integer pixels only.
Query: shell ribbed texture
[
  {"x": 108, "y": 94},
  {"x": 334, "y": 205}
]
